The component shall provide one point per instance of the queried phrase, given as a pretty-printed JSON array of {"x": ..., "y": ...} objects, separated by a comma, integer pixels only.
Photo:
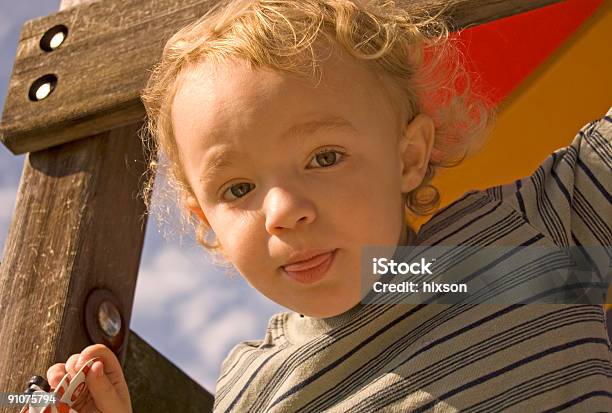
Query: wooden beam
[
  {"x": 103, "y": 64},
  {"x": 76, "y": 227},
  {"x": 158, "y": 386}
]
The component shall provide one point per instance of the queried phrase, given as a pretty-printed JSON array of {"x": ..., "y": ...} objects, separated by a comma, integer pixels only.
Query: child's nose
[{"x": 286, "y": 209}]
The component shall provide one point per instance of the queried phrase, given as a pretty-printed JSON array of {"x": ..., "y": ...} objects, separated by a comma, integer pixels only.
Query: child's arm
[{"x": 568, "y": 197}]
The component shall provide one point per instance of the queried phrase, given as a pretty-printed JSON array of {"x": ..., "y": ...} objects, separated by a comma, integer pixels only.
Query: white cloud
[
  {"x": 193, "y": 313},
  {"x": 233, "y": 326},
  {"x": 162, "y": 280}
]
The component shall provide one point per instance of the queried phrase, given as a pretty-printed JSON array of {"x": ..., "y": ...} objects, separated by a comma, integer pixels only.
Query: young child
[{"x": 300, "y": 131}]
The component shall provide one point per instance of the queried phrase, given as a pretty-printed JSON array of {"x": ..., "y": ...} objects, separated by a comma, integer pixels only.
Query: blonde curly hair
[{"x": 407, "y": 46}]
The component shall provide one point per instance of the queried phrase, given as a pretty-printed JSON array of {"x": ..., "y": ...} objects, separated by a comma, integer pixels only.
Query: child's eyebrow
[
  {"x": 329, "y": 122},
  {"x": 224, "y": 159}
]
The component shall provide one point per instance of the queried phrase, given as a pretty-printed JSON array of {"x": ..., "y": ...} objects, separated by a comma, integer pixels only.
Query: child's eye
[
  {"x": 237, "y": 190},
  {"x": 325, "y": 158},
  {"x": 328, "y": 157}
]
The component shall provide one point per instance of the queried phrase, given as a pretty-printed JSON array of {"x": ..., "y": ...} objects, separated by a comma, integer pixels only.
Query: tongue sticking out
[{"x": 313, "y": 262}]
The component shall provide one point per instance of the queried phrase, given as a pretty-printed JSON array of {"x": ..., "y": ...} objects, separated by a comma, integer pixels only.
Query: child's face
[{"x": 272, "y": 196}]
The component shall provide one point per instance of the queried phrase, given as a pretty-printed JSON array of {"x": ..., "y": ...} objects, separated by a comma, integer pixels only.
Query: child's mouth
[{"x": 312, "y": 270}]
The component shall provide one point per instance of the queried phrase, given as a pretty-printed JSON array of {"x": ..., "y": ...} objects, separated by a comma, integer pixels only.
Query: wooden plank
[
  {"x": 103, "y": 64},
  {"x": 76, "y": 226},
  {"x": 151, "y": 378},
  {"x": 464, "y": 14}
]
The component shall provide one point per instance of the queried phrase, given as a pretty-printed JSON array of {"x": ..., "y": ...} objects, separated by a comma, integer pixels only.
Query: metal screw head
[
  {"x": 109, "y": 318},
  {"x": 104, "y": 319}
]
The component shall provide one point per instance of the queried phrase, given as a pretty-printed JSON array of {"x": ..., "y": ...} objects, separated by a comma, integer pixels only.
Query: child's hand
[{"x": 105, "y": 380}]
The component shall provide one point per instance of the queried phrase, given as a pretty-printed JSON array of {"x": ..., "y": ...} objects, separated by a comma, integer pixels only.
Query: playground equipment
[{"x": 71, "y": 259}]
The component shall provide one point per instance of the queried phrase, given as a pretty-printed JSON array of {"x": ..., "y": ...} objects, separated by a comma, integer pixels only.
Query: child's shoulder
[{"x": 275, "y": 334}]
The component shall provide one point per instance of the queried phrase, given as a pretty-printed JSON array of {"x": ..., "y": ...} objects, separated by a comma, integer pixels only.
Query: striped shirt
[{"x": 461, "y": 357}]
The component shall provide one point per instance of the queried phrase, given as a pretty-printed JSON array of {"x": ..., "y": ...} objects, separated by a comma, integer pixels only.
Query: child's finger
[
  {"x": 55, "y": 374},
  {"x": 111, "y": 364},
  {"x": 71, "y": 364},
  {"x": 102, "y": 390},
  {"x": 112, "y": 368}
]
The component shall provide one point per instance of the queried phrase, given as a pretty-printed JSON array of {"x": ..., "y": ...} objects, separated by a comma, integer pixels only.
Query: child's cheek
[{"x": 237, "y": 233}]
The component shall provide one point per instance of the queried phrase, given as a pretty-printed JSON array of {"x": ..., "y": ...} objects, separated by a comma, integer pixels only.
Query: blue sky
[{"x": 190, "y": 311}]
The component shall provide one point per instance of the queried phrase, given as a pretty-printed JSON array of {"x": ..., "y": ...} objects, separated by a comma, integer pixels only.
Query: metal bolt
[
  {"x": 104, "y": 319},
  {"x": 109, "y": 318}
]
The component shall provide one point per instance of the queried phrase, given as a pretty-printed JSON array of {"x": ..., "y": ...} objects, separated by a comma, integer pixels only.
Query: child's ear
[
  {"x": 415, "y": 147},
  {"x": 194, "y": 207}
]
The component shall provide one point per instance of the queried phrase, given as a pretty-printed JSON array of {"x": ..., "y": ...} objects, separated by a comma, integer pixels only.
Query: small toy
[{"x": 71, "y": 394}]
